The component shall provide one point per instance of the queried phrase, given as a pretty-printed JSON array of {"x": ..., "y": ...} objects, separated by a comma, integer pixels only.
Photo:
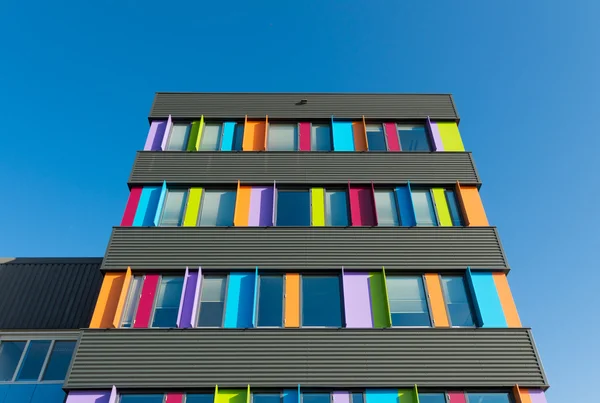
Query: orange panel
[
  {"x": 266, "y": 132},
  {"x": 506, "y": 299},
  {"x": 436, "y": 299},
  {"x": 242, "y": 206},
  {"x": 292, "y": 300},
  {"x": 122, "y": 298},
  {"x": 360, "y": 136},
  {"x": 521, "y": 395},
  {"x": 106, "y": 306},
  {"x": 254, "y": 136},
  {"x": 472, "y": 206}
]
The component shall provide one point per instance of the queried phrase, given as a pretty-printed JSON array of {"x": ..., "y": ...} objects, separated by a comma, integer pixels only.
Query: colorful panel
[
  {"x": 405, "y": 204},
  {"x": 194, "y": 132},
  {"x": 254, "y": 136},
  {"x": 317, "y": 207},
  {"x": 131, "y": 208},
  {"x": 521, "y": 395},
  {"x": 391, "y": 134},
  {"x": 144, "y": 311},
  {"x": 155, "y": 135},
  {"x": 506, "y": 299},
  {"x": 122, "y": 298},
  {"x": 360, "y": 136},
  {"x": 292, "y": 300},
  {"x": 240, "y": 297},
  {"x": 407, "y": 396},
  {"x": 441, "y": 205},
  {"x": 382, "y": 396},
  {"x": 242, "y": 206},
  {"x": 196, "y": 297},
  {"x": 457, "y": 397},
  {"x": 254, "y": 306},
  {"x": 362, "y": 206},
  {"x": 165, "y": 139},
  {"x": 227, "y": 139},
  {"x": 88, "y": 396},
  {"x": 450, "y": 136},
  {"x": 304, "y": 136},
  {"x": 537, "y": 396},
  {"x": 472, "y": 206},
  {"x": 379, "y": 304},
  {"x": 146, "y": 211},
  {"x": 231, "y": 396},
  {"x": 357, "y": 300},
  {"x": 341, "y": 397},
  {"x": 193, "y": 207},
  {"x": 343, "y": 136},
  {"x": 434, "y": 135},
  {"x": 200, "y": 131},
  {"x": 48, "y": 393},
  {"x": 174, "y": 398},
  {"x": 436, "y": 300},
  {"x": 261, "y": 207},
  {"x": 188, "y": 297},
  {"x": 160, "y": 204},
  {"x": 486, "y": 297},
  {"x": 291, "y": 396},
  {"x": 108, "y": 299}
]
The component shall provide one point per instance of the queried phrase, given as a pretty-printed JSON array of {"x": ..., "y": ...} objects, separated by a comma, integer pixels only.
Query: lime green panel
[
  {"x": 200, "y": 130},
  {"x": 231, "y": 396},
  {"x": 441, "y": 205},
  {"x": 379, "y": 303},
  {"x": 387, "y": 297},
  {"x": 191, "y": 146},
  {"x": 450, "y": 136},
  {"x": 407, "y": 396},
  {"x": 318, "y": 207},
  {"x": 416, "y": 394},
  {"x": 193, "y": 207},
  {"x": 248, "y": 391}
]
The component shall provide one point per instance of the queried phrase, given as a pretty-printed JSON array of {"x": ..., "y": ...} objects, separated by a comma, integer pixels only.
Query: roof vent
[{"x": 302, "y": 102}]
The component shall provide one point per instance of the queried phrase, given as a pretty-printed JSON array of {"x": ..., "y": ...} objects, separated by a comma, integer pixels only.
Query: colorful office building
[{"x": 282, "y": 248}]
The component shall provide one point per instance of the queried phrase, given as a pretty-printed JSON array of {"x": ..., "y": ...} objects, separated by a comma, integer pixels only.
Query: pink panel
[
  {"x": 362, "y": 208},
  {"x": 304, "y": 136},
  {"x": 131, "y": 208},
  {"x": 537, "y": 396},
  {"x": 391, "y": 133},
  {"x": 457, "y": 397},
  {"x": 174, "y": 398},
  {"x": 142, "y": 318}
]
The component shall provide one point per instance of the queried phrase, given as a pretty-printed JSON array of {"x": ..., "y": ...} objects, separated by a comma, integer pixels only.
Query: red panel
[
  {"x": 131, "y": 208},
  {"x": 362, "y": 207},
  {"x": 457, "y": 397},
  {"x": 304, "y": 136},
  {"x": 174, "y": 398},
  {"x": 142, "y": 318},
  {"x": 392, "y": 136}
]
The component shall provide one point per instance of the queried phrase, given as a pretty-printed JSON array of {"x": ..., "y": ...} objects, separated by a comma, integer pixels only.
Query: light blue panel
[
  {"x": 291, "y": 396},
  {"x": 227, "y": 140},
  {"x": 19, "y": 393},
  {"x": 382, "y": 395},
  {"x": 240, "y": 295},
  {"x": 3, "y": 392},
  {"x": 488, "y": 305},
  {"x": 405, "y": 203},
  {"x": 254, "y": 307},
  {"x": 161, "y": 202},
  {"x": 343, "y": 136},
  {"x": 48, "y": 393},
  {"x": 144, "y": 215}
]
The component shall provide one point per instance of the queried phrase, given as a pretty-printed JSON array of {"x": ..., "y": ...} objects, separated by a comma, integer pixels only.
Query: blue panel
[
  {"x": 290, "y": 396},
  {"x": 486, "y": 299},
  {"x": 48, "y": 393},
  {"x": 254, "y": 307},
  {"x": 343, "y": 136},
  {"x": 240, "y": 295},
  {"x": 382, "y": 395},
  {"x": 19, "y": 393},
  {"x": 144, "y": 215},
  {"x": 405, "y": 203},
  {"x": 3, "y": 392},
  {"x": 161, "y": 202},
  {"x": 227, "y": 141}
]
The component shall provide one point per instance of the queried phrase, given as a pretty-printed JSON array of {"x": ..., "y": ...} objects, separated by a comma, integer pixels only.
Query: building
[{"x": 304, "y": 248}]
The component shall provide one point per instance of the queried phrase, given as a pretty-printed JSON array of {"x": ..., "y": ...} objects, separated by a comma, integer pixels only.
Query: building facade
[{"x": 304, "y": 248}]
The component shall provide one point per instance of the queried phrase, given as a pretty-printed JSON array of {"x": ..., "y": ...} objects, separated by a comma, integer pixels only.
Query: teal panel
[
  {"x": 405, "y": 204},
  {"x": 19, "y": 393},
  {"x": 382, "y": 395},
  {"x": 486, "y": 299},
  {"x": 227, "y": 139},
  {"x": 343, "y": 136},
  {"x": 3, "y": 392},
  {"x": 161, "y": 202},
  {"x": 144, "y": 215},
  {"x": 240, "y": 296},
  {"x": 48, "y": 393},
  {"x": 291, "y": 396}
]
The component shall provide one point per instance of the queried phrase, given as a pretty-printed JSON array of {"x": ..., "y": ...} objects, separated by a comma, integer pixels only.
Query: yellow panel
[
  {"x": 108, "y": 299},
  {"x": 443, "y": 213},
  {"x": 122, "y": 298},
  {"x": 318, "y": 207},
  {"x": 193, "y": 207},
  {"x": 450, "y": 135},
  {"x": 200, "y": 130},
  {"x": 231, "y": 396}
]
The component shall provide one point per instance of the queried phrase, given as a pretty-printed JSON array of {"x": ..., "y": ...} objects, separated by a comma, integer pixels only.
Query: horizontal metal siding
[
  {"x": 308, "y": 168},
  {"x": 319, "y": 106},
  {"x": 390, "y": 358},
  {"x": 309, "y": 248}
]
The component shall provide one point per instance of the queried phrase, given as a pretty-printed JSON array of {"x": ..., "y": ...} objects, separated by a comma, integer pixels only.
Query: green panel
[
  {"x": 407, "y": 396},
  {"x": 193, "y": 136},
  {"x": 379, "y": 303},
  {"x": 416, "y": 394},
  {"x": 248, "y": 390},
  {"x": 387, "y": 297},
  {"x": 318, "y": 207},
  {"x": 199, "y": 136},
  {"x": 231, "y": 396},
  {"x": 441, "y": 205},
  {"x": 193, "y": 207},
  {"x": 450, "y": 136}
]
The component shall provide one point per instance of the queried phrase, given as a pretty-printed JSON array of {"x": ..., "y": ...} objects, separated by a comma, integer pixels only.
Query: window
[
  {"x": 336, "y": 208},
  {"x": 453, "y": 207},
  {"x": 321, "y": 301},
  {"x": 266, "y": 398},
  {"x": 357, "y": 397},
  {"x": 408, "y": 305},
  {"x": 387, "y": 210},
  {"x": 200, "y": 398},
  {"x": 166, "y": 306},
  {"x": 316, "y": 398},
  {"x": 33, "y": 361},
  {"x": 282, "y": 137},
  {"x": 320, "y": 137},
  {"x": 218, "y": 207},
  {"x": 293, "y": 208},
  {"x": 424, "y": 210},
  {"x": 179, "y": 137},
  {"x": 211, "y": 137},
  {"x": 270, "y": 301},
  {"x": 432, "y": 398},
  {"x": 488, "y": 398},
  {"x": 131, "y": 303},
  {"x": 10, "y": 355},
  {"x": 457, "y": 301},
  {"x": 142, "y": 399},
  {"x": 212, "y": 301},
  {"x": 413, "y": 138},
  {"x": 172, "y": 212},
  {"x": 238, "y": 137},
  {"x": 60, "y": 359},
  {"x": 376, "y": 138}
]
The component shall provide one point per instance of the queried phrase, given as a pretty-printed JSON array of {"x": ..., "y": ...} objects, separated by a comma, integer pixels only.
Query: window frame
[
  {"x": 385, "y": 140},
  {"x": 362, "y": 392},
  {"x": 296, "y": 137},
  {"x": 470, "y": 300},
  {"x": 259, "y": 392},
  {"x": 292, "y": 189},
  {"x": 183, "y": 210},
  {"x": 397, "y": 205},
  {"x": 241, "y": 124},
  {"x": 341, "y": 299},
  {"x": 155, "y": 300},
  {"x": 427, "y": 300},
  {"x": 137, "y": 303},
  {"x": 434, "y": 392},
  {"x": 510, "y": 394},
  {"x": 330, "y": 136},
  {"x": 348, "y": 213},
  {"x": 203, "y": 199},
  {"x": 459, "y": 211},
  {"x": 220, "y": 140},
  {"x": 186, "y": 140},
  {"x": 164, "y": 396},
  {"x": 427, "y": 136},
  {"x": 283, "y": 299},
  {"x": 199, "y": 306},
  {"x": 433, "y": 204}
]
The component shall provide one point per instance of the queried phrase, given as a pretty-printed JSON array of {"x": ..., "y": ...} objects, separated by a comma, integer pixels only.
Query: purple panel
[
  {"x": 88, "y": 396},
  {"x": 182, "y": 298},
  {"x": 275, "y": 204},
  {"x": 166, "y": 135},
  {"x": 537, "y": 396},
  {"x": 113, "y": 395},
  {"x": 155, "y": 135},
  {"x": 341, "y": 397},
  {"x": 435, "y": 135},
  {"x": 261, "y": 207},
  {"x": 188, "y": 298},
  {"x": 357, "y": 300},
  {"x": 196, "y": 297}
]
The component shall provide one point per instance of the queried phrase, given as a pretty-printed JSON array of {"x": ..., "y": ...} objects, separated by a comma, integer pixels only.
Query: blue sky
[{"x": 77, "y": 80}]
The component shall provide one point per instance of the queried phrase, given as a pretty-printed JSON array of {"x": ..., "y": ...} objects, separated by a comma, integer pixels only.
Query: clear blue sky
[{"x": 77, "y": 80}]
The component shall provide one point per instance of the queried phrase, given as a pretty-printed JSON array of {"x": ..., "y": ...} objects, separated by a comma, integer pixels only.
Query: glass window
[
  {"x": 320, "y": 137},
  {"x": 424, "y": 207},
  {"x": 454, "y": 209},
  {"x": 238, "y": 137},
  {"x": 34, "y": 359},
  {"x": 266, "y": 398},
  {"x": 131, "y": 303},
  {"x": 387, "y": 211},
  {"x": 211, "y": 137},
  {"x": 179, "y": 137},
  {"x": 282, "y": 137},
  {"x": 293, "y": 208},
  {"x": 212, "y": 301},
  {"x": 413, "y": 138},
  {"x": 336, "y": 208},
  {"x": 488, "y": 398},
  {"x": 357, "y": 397},
  {"x": 321, "y": 301},
  {"x": 142, "y": 398},
  {"x": 218, "y": 207},
  {"x": 376, "y": 138},
  {"x": 407, "y": 301},
  {"x": 167, "y": 301},
  {"x": 60, "y": 358},
  {"x": 270, "y": 300},
  {"x": 10, "y": 355},
  {"x": 432, "y": 398},
  {"x": 457, "y": 301},
  {"x": 316, "y": 398},
  {"x": 174, "y": 206},
  {"x": 199, "y": 398}
]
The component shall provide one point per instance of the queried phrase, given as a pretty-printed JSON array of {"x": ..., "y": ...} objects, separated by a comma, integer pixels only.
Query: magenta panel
[
  {"x": 261, "y": 207},
  {"x": 155, "y": 135},
  {"x": 131, "y": 208},
  {"x": 391, "y": 133},
  {"x": 142, "y": 318},
  {"x": 304, "y": 136},
  {"x": 357, "y": 300},
  {"x": 341, "y": 397},
  {"x": 174, "y": 398},
  {"x": 362, "y": 207},
  {"x": 434, "y": 132},
  {"x": 457, "y": 397},
  {"x": 537, "y": 396}
]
